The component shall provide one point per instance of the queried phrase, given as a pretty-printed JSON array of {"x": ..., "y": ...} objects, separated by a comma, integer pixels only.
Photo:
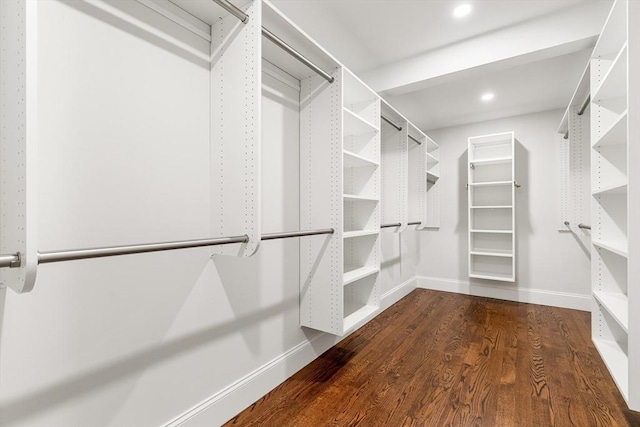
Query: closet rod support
[
  {"x": 415, "y": 140},
  {"x": 566, "y": 135},
  {"x": 11, "y": 261},
  {"x": 398, "y": 127},
  {"x": 287, "y": 234},
  {"x": 232, "y": 9},
  {"x": 515, "y": 183},
  {"x": 291, "y": 51},
  {"x": 397, "y": 224},
  {"x": 584, "y": 106},
  {"x": 584, "y": 226}
]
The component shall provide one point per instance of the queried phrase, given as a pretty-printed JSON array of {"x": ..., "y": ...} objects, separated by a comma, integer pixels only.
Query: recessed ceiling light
[
  {"x": 462, "y": 10},
  {"x": 486, "y": 97}
]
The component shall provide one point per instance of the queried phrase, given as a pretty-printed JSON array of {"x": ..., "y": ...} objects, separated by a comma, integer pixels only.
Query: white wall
[
  {"x": 552, "y": 267},
  {"x": 141, "y": 340}
]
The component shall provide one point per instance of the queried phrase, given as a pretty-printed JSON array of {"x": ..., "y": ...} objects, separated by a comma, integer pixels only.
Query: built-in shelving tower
[
  {"x": 491, "y": 188},
  {"x": 615, "y": 192}
]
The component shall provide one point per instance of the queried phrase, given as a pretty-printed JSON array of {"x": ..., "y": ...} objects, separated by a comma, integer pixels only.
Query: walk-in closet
[{"x": 320, "y": 212}]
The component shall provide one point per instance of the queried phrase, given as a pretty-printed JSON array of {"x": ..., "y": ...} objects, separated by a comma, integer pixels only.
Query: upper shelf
[
  {"x": 614, "y": 83},
  {"x": 613, "y": 34}
]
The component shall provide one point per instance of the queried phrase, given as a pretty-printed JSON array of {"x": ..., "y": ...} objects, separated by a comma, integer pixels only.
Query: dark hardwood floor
[{"x": 443, "y": 359}]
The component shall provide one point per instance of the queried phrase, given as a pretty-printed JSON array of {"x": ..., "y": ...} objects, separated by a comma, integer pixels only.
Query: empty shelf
[
  {"x": 356, "y": 125},
  {"x": 492, "y": 252},
  {"x": 616, "y": 134},
  {"x": 619, "y": 188},
  {"x": 359, "y": 233},
  {"x": 431, "y": 158},
  {"x": 353, "y": 160},
  {"x": 493, "y": 231},
  {"x": 614, "y": 83},
  {"x": 492, "y": 161},
  {"x": 356, "y": 315},
  {"x": 492, "y": 276},
  {"x": 618, "y": 247},
  {"x": 617, "y": 305},
  {"x": 351, "y": 276},
  {"x": 432, "y": 177},
  {"x": 354, "y": 198},
  {"x": 490, "y": 183},
  {"x": 617, "y": 362},
  {"x": 493, "y": 207}
]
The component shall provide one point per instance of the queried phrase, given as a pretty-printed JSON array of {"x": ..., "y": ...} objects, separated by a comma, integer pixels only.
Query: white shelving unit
[
  {"x": 615, "y": 189},
  {"x": 433, "y": 183},
  {"x": 491, "y": 199}
]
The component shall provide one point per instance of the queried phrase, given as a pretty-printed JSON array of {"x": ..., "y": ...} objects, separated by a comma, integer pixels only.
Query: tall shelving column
[
  {"x": 433, "y": 184},
  {"x": 615, "y": 193},
  {"x": 491, "y": 201},
  {"x": 361, "y": 198}
]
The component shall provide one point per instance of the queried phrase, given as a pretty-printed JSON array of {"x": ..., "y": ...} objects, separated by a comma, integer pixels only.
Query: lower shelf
[
  {"x": 351, "y": 274},
  {"x": 617, "y": 362},
  {"x": 493, "y": 276},
  {"x": 617, "y": 305},
  {"x": 354, "y": 314}
]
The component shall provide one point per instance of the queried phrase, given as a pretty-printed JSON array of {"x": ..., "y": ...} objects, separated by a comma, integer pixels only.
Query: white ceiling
[
  {"x": 366, "y": 34},
  {"x": 433, "y": 67}
]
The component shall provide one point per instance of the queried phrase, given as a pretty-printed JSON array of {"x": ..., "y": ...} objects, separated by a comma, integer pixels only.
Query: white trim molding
[
  {"x": 531, "y": 296},
  {"x": 228, "y": 402}
]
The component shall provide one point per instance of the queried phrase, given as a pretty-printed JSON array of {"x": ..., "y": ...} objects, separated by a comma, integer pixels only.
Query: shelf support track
[{"x": 13, "y": 260}]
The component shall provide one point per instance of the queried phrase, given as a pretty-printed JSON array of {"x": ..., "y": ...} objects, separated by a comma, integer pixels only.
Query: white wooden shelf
[
  {"x": 356, "y": 125},
  {"x": 617, "y": 362},
  {"x": 359, "y": 233},
  {"x": 616, "y": 134},
  {"x": 503, "y": 254},
  {"x": 353, "y": 160},
  {"x": 493, "y": 231},
  {"x": 432, "y": 177},
  {"x": 492, "y": 161},
  {"x": 356, "y": 198},
  {"x": 352, "y": 274},
  {"x": 617, "y": 305},
  {"x": 614, "y": 83},
  {"x": 431, "y": 158},
  {"x": 614, "y": 33},
  {"x": 493, "y": 207},
  {"x": 490, "y": 183},
  {"x": 357, "y": 315},
  {"x": 617, "y": 247},
  {"x": 492, "y": 276},
  {"x": 617, "y": 188}
]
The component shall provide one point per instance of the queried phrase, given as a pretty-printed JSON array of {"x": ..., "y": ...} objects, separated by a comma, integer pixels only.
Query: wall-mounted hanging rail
[
  {"x": 13, "y": 260},
  {"x": 398, "y": 127},
  {"x": 415, "y": 140},
  {"x": 584, "y": 226},
  {"x": 584, "y": 106},
  {"x": 243, "y": 17},
  {"x": 232, "y": 9},
  {"x": 291, "y": 51},
  {"x": 397, "y": 224}
]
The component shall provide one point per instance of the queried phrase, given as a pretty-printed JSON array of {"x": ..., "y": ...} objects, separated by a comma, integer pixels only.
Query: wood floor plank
[{"x": 444, "y": 359}]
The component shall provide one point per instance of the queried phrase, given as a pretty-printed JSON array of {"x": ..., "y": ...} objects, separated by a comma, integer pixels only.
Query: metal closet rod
[
  {"x": 397, "y": 224},
  {"x": 584, "y": 106},
  {"x": 581, "y": 111},
  {"x": 398, "y": 127},
  {"x": 243, "y": 17},
  {"x": 77, "y": 254},
  {"x": 414, "y": 223},
  {"x": 418, "y": 142},
  {"x": 584, "y": 226}
]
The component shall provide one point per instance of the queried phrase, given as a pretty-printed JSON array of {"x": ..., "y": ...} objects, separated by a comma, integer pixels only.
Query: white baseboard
[
  {"x": 231, "y": 400},
  {"x": 532, "y": 296}
]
